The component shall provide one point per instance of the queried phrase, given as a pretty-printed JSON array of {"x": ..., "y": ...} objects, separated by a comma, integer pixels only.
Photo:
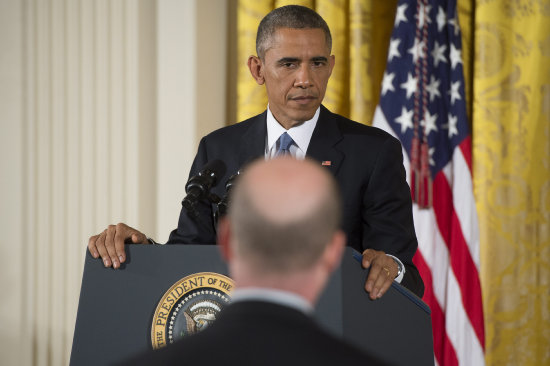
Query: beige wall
[{"x": 101, "y": 106}]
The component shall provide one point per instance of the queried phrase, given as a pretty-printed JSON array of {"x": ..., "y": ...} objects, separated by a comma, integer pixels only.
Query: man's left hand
[{"x": 383, "y": 271}]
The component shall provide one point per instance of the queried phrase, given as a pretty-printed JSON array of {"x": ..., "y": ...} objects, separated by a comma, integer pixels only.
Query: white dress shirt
[
  {"x": 285, "y": 298},
  {"x": 300, "y": 134}
]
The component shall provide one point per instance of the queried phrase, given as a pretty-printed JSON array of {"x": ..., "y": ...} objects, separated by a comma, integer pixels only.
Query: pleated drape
[{"x": 511, "y": 120}]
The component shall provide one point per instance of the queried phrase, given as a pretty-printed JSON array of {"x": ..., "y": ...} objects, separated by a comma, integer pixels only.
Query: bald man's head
[{"x": 283, "y": 213}]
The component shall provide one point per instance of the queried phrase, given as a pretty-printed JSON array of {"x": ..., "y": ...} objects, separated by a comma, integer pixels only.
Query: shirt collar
[
  {"x": 300, "y": 134},
  {"x": 285, "y": 298}
]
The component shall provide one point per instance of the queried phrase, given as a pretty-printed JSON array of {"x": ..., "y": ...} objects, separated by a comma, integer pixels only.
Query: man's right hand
[{"x": 109, "y": 245}]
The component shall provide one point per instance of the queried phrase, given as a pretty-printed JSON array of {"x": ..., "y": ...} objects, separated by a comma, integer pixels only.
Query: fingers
[
  {"x": 92, "y": 247},
  {"x": 139, "y": 238},
  {"x": 379, "y": 281},
  {"x": 101, "y": 249},
  {"x": 368, "y": 256},
  {"x": 122, "y": 233},
  {"x": 381, "y": 274},
  {"x": 109, "y": 245}
]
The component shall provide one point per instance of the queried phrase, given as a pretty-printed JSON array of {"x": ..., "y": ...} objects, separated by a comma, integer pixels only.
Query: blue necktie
[{"x": 285, "y": 141}]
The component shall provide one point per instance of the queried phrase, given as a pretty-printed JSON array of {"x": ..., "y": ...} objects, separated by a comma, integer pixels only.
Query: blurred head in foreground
[{"x": 282, "y": 229}]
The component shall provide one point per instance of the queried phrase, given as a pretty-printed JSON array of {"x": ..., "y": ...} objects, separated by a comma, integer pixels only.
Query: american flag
[{"x": 422, "y": 103}]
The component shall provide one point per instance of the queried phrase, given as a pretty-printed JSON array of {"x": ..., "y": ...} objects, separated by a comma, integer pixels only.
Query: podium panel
[
  {"x": 396, "y": 328},
  {"x": 116, "y": 307}
]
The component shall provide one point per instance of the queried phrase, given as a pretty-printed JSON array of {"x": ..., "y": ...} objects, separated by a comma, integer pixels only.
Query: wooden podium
[{"x": 116, "y": 307}]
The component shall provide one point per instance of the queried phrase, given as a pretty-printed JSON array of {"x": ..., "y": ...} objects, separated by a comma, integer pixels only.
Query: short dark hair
[{"x": 290, "y": 16}]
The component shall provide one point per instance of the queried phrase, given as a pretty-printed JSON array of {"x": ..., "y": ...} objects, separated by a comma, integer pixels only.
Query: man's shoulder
[
  {"x": 237, "y": 129},
  {"x": 239, "y": 334},
  {"x": 350, "y": 128}
]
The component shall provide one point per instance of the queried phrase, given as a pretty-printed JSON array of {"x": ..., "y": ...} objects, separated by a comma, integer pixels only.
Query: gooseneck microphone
[
  {"x": 198, "y": 187},
  {"x": 223, "y": 205}
]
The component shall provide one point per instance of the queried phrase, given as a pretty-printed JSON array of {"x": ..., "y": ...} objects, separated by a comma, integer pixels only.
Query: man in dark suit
[
  {"x": 281, "y": 240},
  {"x": 294, "y": 63}
]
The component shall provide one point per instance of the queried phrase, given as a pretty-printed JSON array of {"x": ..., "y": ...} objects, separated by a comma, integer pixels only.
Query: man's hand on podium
[
  {"x": 383, "y": 271},
  {"x": 109, "y": 245}
]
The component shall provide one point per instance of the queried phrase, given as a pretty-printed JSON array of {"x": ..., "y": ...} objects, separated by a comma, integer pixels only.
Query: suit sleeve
[
  {"x": 387, "y": 214},
  {"x": 199, "y": 230}
]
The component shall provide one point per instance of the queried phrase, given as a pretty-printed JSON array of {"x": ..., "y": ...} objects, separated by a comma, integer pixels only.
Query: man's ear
[
  {"x": 224, "y": 238},
  {"x": 332, "y": 256},
  {"x": 256, "y": 69},
  {"x": 331, "y": 62}
]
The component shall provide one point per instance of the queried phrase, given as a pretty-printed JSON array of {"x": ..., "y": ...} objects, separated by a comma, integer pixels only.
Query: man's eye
[
  {"x": 288, "y": 64},
  {"x": 318, "y": 63}
]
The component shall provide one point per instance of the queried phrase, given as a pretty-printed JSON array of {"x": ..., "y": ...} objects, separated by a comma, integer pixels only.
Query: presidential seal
[{"x": 189, "y": 306}]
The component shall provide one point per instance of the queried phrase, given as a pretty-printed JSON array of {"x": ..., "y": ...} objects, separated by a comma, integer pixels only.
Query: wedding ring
[{"x": 387, "y": 271}]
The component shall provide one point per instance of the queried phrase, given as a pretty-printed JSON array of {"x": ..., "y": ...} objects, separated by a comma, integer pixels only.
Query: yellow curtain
[
  {"x": 506, "y": 53},
  {"x": 251, "y": 98},
  {"x": 511, "y": 114}
]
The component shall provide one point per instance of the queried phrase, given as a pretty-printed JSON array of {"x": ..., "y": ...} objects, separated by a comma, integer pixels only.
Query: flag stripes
[
  {"x": 463, "y": 266},
  {"x": 428, "y": 66},
  {"x": 443, "y": 348}
]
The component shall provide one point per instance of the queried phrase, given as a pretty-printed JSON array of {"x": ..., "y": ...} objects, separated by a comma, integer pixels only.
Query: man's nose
[{"x": 303, "y": 77}]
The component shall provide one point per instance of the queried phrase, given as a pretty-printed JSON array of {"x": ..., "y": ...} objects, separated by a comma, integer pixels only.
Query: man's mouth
[{"x": 303, "y": 99}]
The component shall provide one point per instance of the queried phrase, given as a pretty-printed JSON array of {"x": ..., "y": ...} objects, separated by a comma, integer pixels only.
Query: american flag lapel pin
[{"x": 326, "y": 163}]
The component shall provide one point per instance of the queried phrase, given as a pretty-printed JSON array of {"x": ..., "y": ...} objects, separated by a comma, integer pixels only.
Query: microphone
[
  {"x": 223, "y": 205},
  {"x": 198, "y": 187}
]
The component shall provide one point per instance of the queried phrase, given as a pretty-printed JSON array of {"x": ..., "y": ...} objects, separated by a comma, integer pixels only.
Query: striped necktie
[{"x": 285, "y": 141}]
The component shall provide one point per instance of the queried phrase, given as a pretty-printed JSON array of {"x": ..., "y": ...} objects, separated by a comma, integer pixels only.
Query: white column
[
  {"x": 12, "y": 185},
  {"x": 176, "y": 108},
  {"x": 101, "y": 103},
  {"x": 191, "y": 94},
  {"x": 76, "y": 100}
]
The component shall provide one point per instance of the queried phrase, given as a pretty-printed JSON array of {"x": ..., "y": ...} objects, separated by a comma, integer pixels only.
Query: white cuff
[{"x": 399, "y": 278}]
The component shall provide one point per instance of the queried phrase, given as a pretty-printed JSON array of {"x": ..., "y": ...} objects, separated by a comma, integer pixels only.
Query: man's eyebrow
[
  {"x": 285, "y": 60},
  {"x": 319, "y": 58}
]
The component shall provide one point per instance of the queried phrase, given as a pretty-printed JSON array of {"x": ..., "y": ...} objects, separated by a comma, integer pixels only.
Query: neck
[
  {"x": 289, "y": 124},
  {"x": 286, "y": 122},
  {"x": 306, "y": 284}
]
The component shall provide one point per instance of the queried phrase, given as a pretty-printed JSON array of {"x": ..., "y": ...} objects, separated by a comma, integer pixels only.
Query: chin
[{"x": 304, "y": 115}]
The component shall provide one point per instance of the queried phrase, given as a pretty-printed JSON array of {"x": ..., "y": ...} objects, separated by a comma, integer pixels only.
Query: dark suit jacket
[
  {"x": 367, "y": 163},
  {"x": 258, "y": 333}
]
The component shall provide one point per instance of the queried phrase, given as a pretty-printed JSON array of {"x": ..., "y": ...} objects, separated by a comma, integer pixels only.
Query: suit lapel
[
  {"x": 322, "y": 145},
  {"x": 252, "y": 144}
]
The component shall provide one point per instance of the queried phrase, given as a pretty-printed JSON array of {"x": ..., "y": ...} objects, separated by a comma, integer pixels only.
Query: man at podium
[
  {"x": 294, "y": 62},
  {"x": 281, "y": 240}
]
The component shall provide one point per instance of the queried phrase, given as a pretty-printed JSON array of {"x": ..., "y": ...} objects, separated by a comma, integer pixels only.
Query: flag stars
[
  {"x": 400, "y": 15},
  {"x": 410, "y": 85},
  {"x": 441, "y": 19},
  {"x": 417, "y": 50},
  {"x": 431, "y": 152},
  {"x": 456, "y": 56},
  {"x": 387, "y": 83},
  {"x": 451, "y": 126},
  {"x": 423, "y": 15},
  {"x": 454, "y": 23},
  {"x": 455, "y": 94},
  {"x": 438, "y": 53},
  {"x": 394, "y": 50},
  {"x": 433, "y": 88},
  {"x": 429, "y": 122},
  {"x": 405, "y": 119}
]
